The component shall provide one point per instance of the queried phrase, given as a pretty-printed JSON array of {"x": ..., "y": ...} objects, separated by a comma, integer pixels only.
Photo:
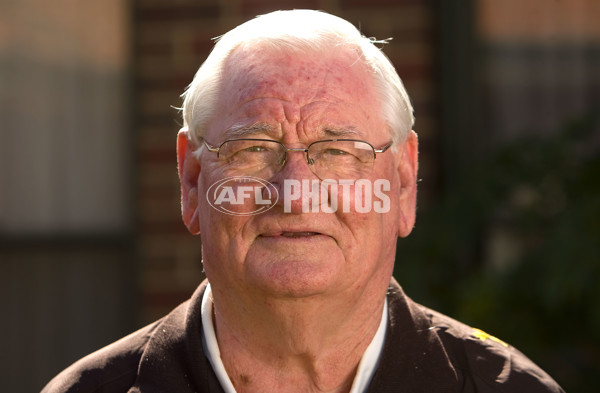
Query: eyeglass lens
[{"x": 341, "y": 159}]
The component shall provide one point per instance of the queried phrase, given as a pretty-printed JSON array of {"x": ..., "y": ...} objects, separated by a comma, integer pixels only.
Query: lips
[
  {"x": 298, "y": 234},
  {"x": 293, "y": 234},
  {"x": 293, "y": 230}
]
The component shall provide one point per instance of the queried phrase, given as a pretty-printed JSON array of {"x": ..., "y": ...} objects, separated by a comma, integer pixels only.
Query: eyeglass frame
[{"x": 383, "y": 149}]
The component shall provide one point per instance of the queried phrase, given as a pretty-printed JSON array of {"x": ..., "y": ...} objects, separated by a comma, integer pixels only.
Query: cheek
[
  {"x": 372, "y": 219},
  {"x": 224, "y": 247},
  {"x": 218, "y": 231},
  {"x": 363, "y": 198},
  {"x": 223, "y": 232}
]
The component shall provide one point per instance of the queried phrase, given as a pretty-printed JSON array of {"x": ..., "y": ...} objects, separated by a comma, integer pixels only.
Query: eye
[
  {"x": 336, "y": 152},
  {"x": 255, "y": 149},
  {"x": 251, "y": 147}
]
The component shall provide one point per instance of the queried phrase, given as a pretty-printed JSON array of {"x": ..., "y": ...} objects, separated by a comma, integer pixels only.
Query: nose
[
  {"x": 295, "y": 166},
  {"x": 290, "y": 178}
]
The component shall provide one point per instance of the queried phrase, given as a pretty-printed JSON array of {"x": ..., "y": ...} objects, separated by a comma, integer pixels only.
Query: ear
[
  {"x": 407, "y": 167},
  {"x": 189, "y": 170}
]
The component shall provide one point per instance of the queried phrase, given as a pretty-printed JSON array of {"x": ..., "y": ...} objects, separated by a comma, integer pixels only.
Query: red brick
[
  {"x": 168, "y": 13},
  {"x": 381, "y": 3},
  {"x": 251, "y": 8}
]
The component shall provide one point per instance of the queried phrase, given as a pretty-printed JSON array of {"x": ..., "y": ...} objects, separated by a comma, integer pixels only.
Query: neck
[{"x": 301, "y": 344}]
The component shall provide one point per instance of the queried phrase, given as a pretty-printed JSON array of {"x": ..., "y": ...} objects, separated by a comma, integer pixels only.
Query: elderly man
[{"x": 298, "y": 170}]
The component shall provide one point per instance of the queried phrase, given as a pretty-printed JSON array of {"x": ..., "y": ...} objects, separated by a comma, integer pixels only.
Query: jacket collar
[{"x": 413, "y": 358}]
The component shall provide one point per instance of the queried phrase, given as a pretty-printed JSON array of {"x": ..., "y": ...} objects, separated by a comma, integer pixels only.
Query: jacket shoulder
[
  {"x": 110, "y": 369},
  {"x": 488, "y": 363}
]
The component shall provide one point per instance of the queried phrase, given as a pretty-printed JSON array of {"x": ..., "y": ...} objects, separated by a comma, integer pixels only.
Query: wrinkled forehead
[{"x": 257, "y": 70}]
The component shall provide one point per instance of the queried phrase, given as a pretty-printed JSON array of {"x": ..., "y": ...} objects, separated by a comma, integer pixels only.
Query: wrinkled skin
[{"x": 305, "y": 275}]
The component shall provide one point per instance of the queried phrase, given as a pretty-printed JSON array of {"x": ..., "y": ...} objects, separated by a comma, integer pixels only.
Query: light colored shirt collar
[{"x": 366, "y": 367}]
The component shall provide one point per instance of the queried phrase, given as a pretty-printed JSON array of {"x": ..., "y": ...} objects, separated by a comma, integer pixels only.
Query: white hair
[{"x": 297, "y": 30}]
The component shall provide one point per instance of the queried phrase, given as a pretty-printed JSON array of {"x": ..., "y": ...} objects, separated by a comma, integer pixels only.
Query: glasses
[{"x": 327, "y": 159}]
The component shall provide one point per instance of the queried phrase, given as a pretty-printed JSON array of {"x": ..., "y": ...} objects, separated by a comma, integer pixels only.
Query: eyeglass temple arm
[
  {"x": 384, "y": 148},
  {"x": 211, "y": 148}
]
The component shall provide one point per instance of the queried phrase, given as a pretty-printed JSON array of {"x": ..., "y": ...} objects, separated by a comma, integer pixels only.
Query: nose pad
[
  {"x": 298, "y": 186},
  {"x": 295, "y": 166}
]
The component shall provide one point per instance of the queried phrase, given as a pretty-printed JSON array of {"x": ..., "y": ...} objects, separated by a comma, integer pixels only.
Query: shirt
[{"x": 424, "y": 352}]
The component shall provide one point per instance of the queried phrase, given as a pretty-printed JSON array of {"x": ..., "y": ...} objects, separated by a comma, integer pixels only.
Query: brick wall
[{"x": 172, "y": 39}]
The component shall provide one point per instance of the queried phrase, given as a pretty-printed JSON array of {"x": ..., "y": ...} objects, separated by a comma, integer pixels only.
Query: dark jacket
[{"x": 424, "y": 351}]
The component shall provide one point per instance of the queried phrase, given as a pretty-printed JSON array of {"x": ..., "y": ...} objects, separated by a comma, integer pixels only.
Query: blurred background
[{"x": 506, "y": 95}]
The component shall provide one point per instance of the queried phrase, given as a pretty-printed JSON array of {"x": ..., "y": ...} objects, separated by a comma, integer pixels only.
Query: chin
[{"x": 296, "y": 278}]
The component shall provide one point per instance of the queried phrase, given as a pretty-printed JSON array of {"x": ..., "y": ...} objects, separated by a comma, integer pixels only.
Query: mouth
[
  {"x": 292, "y": 234},
  {"x": 298, "y": 234}
]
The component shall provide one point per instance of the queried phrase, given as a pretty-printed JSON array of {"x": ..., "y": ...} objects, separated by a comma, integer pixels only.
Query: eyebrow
[
  {"x": 244, "y": 131},
  {"x": 345, "y": 132}
]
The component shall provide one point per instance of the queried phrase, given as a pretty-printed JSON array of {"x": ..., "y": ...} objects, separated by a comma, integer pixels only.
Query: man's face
[{"x": 298, "y": 99}]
